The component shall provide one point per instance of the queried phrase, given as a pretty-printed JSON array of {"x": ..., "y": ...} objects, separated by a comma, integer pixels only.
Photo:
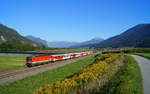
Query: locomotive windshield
[{"x": 28, "y": 58}]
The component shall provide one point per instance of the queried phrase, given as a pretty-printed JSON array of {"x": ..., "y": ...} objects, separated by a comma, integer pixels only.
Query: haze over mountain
[
  {"x": 67, "y": 44},
  {"x": 137, "y": 36},
  {"x": 52, "y": 44},
  {"x": 89, "y": 42},
  {"x": 37, "y": 40},
  {"x": 63, "y": 44}
]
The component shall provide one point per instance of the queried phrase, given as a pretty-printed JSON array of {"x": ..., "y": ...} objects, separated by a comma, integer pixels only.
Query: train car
[
  {"x": 83, "y": 54},
  {"x": 57, "y": 57},
  {"x": 66, "y": 56},
  {"x": 72, "y": 55},
  {"x": 78, "y": 54},
  {"x": 86, "y": 53},
  {"x": 89, "y": 53}
]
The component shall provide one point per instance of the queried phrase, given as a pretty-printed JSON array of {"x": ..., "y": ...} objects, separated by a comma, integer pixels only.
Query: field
[
  {"x": 147, "y": 55},
  {"x": 11, "y": 62},
  {"x": 28, "y": 85}
]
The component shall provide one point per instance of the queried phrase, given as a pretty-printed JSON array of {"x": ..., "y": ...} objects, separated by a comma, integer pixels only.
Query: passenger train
[{"x": 38, "y": 60}]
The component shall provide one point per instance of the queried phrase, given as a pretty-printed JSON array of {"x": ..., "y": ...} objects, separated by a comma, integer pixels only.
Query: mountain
[
  {"x": 61, "y": 44},
  {"x": 11, "y": 40},
  {"x": 89, "y": 42},
  {"x": 137, "y": 36},
  {"x": 37, "y": 40},
  {"x": 8, "y": 34}
]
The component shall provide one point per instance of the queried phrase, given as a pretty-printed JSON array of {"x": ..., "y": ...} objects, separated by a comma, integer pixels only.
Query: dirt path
[
  {"x": 145, "y": 70},
  {"x": 11, "y": 76}
]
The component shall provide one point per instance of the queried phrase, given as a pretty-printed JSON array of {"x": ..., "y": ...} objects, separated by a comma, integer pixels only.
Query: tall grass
[{"x": 127, "y": 81}]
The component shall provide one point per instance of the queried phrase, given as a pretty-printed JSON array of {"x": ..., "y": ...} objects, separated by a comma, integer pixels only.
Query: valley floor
[{"x": 127, "y": 79}]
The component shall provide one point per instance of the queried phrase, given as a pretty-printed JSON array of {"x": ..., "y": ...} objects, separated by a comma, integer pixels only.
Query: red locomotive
[{"x": 37, "y": 60}]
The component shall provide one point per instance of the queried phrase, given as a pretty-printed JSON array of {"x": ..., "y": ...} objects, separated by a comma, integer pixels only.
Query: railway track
[
  {"x": 14, "y": 72},
  {"x": 22, "y": 70},
  {"x": 18, "y": 74}
]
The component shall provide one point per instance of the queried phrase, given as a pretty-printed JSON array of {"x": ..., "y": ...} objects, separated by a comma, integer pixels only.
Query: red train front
[{"x": 37, "y": 60}]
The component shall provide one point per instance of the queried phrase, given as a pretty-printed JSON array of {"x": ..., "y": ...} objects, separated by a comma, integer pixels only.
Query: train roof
[{"x": 57, "y": 54}]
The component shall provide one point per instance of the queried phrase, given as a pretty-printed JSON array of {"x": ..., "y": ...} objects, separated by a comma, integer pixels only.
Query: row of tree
[{"x": 19, "y": 46}]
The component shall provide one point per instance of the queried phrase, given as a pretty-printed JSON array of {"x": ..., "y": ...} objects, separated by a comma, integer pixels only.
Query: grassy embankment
[
  {"x": 28, "y": 85},
  {"x": 146, "y": 55},
  {"x": 11, "y": 62},
  {"x": 127, "y": 81}
]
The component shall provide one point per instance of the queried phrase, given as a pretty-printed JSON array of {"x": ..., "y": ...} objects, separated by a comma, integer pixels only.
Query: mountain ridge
[
  {"x": 63, "y": 44},
  {"x": 137, "y": 36},
  {"x": 88, "y": 42}
]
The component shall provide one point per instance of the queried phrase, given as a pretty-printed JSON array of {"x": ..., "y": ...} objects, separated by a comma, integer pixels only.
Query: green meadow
[{"x": 11, "y": 62}]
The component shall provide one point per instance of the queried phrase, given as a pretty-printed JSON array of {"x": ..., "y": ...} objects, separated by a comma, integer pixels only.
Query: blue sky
[{"x": 73, "y": 20}]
